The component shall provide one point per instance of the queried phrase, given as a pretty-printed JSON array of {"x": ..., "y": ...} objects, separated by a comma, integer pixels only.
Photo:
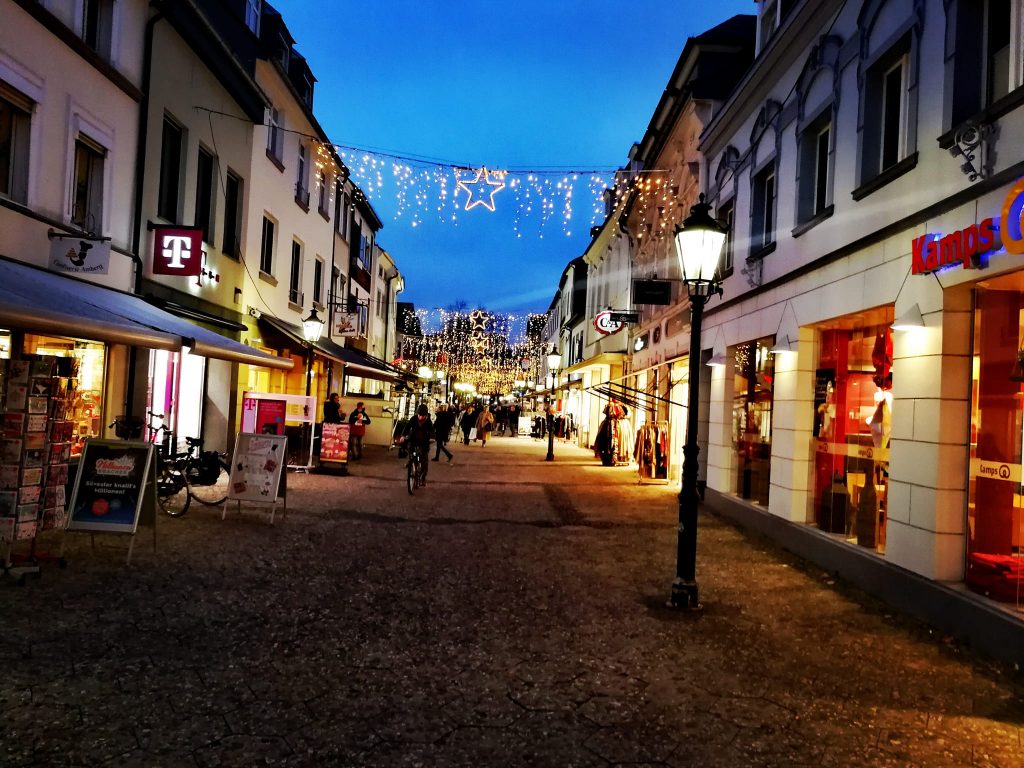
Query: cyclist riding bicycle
[{"x": 418, "y": 432}]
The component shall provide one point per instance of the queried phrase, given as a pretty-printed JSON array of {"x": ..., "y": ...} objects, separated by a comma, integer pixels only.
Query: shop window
[
  {"x": 852, "y": 426},
  {"x": 15, "y": 118},
  {"x": 170, "y": 170},
  {"x": 267, "y": 243},
  {"x": 753, "y": 388},
  {"x": 87, "y": 192},
  {"x": 980, "y": 74},
  {"x": 176, "y": 387},
  {"x": 885, "y": 111},
  {"x": 815, "y": 161},
  {"x": 762, "y": 210},
  {"x": 98, "y": 25},
  {"x": 232, "y": 214},
  {"x": 995, "y": 518},
  {"x": 205, "y": 170},
  {"x": 86, "y": 367}
]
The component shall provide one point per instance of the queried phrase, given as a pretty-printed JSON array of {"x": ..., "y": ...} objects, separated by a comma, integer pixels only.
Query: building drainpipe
[{"x": 140, "y": 177}]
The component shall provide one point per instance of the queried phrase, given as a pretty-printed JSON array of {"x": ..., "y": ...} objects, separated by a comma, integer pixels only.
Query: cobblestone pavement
[{"x": 510, "y": 614}]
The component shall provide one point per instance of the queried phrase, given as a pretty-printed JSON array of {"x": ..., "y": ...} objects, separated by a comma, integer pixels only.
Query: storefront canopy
[
  {"x": 357, "y": 363},
  {"x": 36, "y": 301}
]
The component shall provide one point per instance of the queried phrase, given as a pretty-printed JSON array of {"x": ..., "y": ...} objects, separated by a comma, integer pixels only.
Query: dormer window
[
  {"x": 286, "y": 52},
  {"x": 769, "y": 22},
  {"x": 252, "y": 15}
]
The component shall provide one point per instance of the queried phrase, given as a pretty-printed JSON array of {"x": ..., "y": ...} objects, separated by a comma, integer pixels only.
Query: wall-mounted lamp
[
  {"x": 783, "y": 344},
  {"x": 909, "y": 320}
]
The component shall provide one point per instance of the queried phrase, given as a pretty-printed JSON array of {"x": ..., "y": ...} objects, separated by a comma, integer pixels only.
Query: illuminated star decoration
[{"x": 484, "y": 179}]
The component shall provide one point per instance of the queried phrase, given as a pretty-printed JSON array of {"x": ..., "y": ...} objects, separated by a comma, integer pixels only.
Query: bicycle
[
  {"x": 415, "y": 469},
  {"x": 180, "y": 477}
]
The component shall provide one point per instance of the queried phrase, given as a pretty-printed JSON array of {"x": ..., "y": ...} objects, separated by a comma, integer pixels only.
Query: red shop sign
[{"x": 177, "y": 251}]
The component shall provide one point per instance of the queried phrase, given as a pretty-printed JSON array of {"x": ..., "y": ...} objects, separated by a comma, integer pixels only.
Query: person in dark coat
[
  {"x": 444, "y": 420},
  {"x": 468, "y": 422},
  {"x": 332, "y": 410}
]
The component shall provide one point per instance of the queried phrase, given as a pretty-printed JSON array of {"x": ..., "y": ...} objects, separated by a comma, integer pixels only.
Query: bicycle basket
[{"x": 128, "y": 427}]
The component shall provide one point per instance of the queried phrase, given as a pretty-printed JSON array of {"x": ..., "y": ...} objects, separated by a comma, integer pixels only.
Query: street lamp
[
  {"x": 699, "y": 241},
  {"x": 312, "y": 329},
  {"x": 554, "y": 360}
]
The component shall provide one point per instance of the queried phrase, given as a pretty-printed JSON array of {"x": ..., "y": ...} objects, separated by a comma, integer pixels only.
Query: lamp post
[
  {"x": 312, "y": 329},
  {"x": 554, "y": 359},
  {"x": 699, "y": 241}
]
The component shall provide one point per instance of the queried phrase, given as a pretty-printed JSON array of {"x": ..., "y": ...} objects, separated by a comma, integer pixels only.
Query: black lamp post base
[{"x": 684, "y": 596}]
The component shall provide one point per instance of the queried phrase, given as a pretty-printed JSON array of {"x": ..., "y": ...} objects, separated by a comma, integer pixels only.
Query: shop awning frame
[
  {"x": 360, "y": 363},
  {"x": 35, "y": 300}
]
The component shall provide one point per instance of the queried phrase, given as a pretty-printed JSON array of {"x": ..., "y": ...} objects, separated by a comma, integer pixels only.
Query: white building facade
[{"x": 869, "y": 410}]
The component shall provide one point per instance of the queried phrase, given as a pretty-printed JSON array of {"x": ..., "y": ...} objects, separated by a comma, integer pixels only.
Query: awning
[
  {"x": 37, "y": 301},
  {"x": 359, "y": 363}
]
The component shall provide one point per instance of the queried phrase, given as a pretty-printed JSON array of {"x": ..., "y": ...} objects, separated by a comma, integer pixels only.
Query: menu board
[
  {"x": 334, "y": 442},
  {"x": 111, "y": 486},
  {"x": 257, "y": 467}
]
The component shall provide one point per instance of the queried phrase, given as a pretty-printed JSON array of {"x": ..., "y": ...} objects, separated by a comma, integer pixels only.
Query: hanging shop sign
[
  {"x": 346, "y": 324},
  {"x": 652, "y": 292},
  {"x": 606, "y": 324},
  {"x": 624, "y": 316},
  {"x": 76, "y": 256},
  {"x": 177, "y": 251}
]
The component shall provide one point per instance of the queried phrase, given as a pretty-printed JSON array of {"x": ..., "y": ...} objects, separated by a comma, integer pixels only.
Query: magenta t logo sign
[{"x": 177, "y": 251}]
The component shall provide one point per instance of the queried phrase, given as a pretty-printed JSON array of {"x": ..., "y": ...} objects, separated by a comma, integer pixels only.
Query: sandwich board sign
[{"x": 257, "y": 471}]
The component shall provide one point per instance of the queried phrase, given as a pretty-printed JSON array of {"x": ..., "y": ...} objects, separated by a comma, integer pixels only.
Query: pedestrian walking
[
  {"x": 359, "y": 420},
  {"x": 468, "y": 422},
  {"x": 443, "y": 423},
  {"x": 332, "y": 410},
  {"x": 513, "y": 420},
  {"x": 484, "y": 425},
  {"x": 418, "y": 432}
]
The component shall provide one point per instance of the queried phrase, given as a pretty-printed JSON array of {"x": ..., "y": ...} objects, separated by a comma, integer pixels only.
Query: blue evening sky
[{"x": 520, "y": 84}]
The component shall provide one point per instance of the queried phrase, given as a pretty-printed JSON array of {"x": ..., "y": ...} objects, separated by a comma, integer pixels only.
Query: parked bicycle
[{"x": 180, "y": 476}]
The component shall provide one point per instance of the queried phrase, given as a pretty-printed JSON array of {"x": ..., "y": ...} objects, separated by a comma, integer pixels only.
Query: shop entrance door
[{"x": 177, "y": 390}]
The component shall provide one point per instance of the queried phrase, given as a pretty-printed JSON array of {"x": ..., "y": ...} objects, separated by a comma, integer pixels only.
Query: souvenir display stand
[
  {"x": 115, "y": 490},
  {"x": 257, "y": 473},
  {"x": 37, "y": 430}
]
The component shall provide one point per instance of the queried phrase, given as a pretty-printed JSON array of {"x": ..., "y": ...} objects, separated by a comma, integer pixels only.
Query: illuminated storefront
[{"x": 753, "y": 381}]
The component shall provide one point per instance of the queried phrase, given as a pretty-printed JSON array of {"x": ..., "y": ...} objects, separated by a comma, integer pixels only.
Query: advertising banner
[
  {"x": 334, "y": 443},
  {"x": 113, "y": 482},
  {"x": 76, "y": 256},
  {"x": 257, "y": 467},
  {"x": 270, "y": 416}
]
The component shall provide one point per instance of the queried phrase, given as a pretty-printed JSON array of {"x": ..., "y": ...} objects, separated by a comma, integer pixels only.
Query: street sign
[
  {"x": 625, "y": 317},
  {"x": 652, "y": 292}
]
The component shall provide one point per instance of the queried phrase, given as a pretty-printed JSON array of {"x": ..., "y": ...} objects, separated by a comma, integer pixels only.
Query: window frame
[
  {"x": 95, "y": 153},
  {"x": 318, "y": 282},
  {"x": 268, "y": 246},
  {"x": 814, "y": 184},
  {"x": 168, "y": 185},
  {"x": 97, "y": 26},
  {"x": 205, "y": 214},
  {"x": 726, "y": 216},
  {"x": 275, "y": 137},
  {"x": 885, "y": 139},
  {"x": 18, "y": 161},
  {"x": 253, "y": 13},
  {"x": 295, "y": 296},
  {"x": 231, "y": 242},
  {"x": 763, "y": 232}
]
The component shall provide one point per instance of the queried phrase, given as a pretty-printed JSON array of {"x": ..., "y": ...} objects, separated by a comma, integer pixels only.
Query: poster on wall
[
  {"x": 111, "y": 487},
  {"x": 257, "y": 467},
  {"x": 270, "y": 416},
  {"x": 334, "y": 443}
]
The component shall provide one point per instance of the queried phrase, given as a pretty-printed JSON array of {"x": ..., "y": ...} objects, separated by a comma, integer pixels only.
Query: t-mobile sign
[{"x": 177, "y": 251}]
